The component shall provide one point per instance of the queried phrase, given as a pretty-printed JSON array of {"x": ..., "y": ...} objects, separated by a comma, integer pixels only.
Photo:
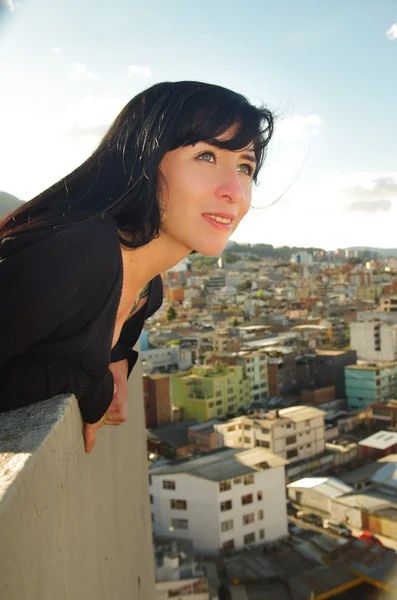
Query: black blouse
[{"x": 60, "y": 290}]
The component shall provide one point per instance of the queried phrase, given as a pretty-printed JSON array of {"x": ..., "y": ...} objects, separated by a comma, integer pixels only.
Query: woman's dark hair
[{"x": 120, "y": 177}]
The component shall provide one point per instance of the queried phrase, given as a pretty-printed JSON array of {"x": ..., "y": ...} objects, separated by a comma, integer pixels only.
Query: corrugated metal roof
[
  {"x": 386, "y": 475},
  {"x": 174, "y": 435},
  {"x": 380, "y": 440}
]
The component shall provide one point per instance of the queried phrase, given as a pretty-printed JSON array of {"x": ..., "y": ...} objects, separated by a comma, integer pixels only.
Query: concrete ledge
[{"x": 72, "y": 525}]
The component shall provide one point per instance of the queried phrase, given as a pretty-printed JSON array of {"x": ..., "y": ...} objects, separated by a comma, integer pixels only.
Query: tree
[
  {"x": 234, "y": 322},
  {"x": 247, "y": 285},
  {"x": 170, "y": 314}
]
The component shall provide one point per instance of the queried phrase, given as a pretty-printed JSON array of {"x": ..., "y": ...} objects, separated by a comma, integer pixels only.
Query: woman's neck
[{"x": 144, "y": 263}]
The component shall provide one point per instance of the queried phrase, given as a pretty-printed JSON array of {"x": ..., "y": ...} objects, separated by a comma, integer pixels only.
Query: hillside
[{"x": 8, "y": 203}]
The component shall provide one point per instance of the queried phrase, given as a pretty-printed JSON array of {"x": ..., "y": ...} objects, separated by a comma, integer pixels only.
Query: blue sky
[{"x": 327, "y": 69}]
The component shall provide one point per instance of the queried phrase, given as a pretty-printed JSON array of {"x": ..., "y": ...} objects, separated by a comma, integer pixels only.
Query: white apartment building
[
  {"x": 173, "y": 358},
  {"x": 374, "y": 340},
  {"x": 294, "y": 433},
  {"x": 227, "y": 498}
]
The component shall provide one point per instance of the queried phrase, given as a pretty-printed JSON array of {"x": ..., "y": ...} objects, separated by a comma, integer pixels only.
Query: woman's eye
[
  {"x": 247, "y": 169},
  {"x": 207, "y": 156}
]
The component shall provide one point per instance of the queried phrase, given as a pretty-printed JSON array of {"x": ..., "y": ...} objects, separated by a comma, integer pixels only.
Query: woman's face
[{"x": 205, "y": 193}]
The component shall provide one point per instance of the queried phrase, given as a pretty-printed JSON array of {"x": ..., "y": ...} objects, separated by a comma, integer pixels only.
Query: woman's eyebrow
[{"x": 249, "y": 156}]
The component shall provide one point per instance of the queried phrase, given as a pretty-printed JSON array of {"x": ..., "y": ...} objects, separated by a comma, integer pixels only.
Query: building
[
  {"x": 379, "y": 444},
  {"x": 282, "y": 374},
  {"x": 178, "y": 572},
  {"x": 226, "y": 340},
  {"x": 156, "y": 394},
  {"x": 217, "y": 280},
  {"x": 294, "y": 433},
  {"x": 374, "y": 340},
  {"x": 175, "y": 294},
  {"x": 228, "y": 498},
  {"x": 208, "y": 392},
  {"x": 370, "y": 382},
  {"x": 254, "y": 364},
  {"x": 388, "y": 303},
  {"x": 171, "y": 441},
  {"x": 203, "y": 437},
  {"x": 384, "y": 415},
  {"x": 173, "y": 358},
  {"x": 317, "y": 493},
  {"x": 330, "y": 368}
]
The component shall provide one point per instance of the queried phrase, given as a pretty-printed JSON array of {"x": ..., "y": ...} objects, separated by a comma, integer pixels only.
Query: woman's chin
[{"x": 210, "y": 249}]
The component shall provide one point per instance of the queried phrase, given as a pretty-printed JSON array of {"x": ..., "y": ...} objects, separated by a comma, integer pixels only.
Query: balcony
[{"x": 74, "y": 525}]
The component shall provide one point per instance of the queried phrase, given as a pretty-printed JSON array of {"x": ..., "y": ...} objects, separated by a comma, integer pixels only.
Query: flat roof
[
  {"x": 301, "y": 413},
  {"x": 220, "y": 464},
  {"x": 331, "y": 352},
  {"x": 372, "y": 366},
  {"x": 382, "y": 440}
]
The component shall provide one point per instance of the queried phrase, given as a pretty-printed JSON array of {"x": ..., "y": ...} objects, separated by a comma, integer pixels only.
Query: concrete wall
[{"x": 72, "y": 525}]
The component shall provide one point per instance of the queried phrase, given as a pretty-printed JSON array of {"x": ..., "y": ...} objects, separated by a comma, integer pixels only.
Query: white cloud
[
  {"x": 56, "y": 49},
  {"x": 82, "y": 70},
  {"x": 10, "y": 5},
  {"x": 298, "y": 127},
  {"x": 136, "y": 70},
  {"x": 391, "y": 33}
]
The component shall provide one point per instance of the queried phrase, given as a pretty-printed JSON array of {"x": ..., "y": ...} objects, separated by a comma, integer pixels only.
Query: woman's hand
[{"x": 116, "y": 414}]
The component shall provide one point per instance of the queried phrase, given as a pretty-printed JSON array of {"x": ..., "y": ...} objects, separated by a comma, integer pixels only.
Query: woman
[{"x": 80, "y": 263}]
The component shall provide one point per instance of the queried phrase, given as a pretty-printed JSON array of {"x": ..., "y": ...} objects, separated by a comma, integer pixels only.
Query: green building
[
  {"x": 370, "y": 382},
  {"x": 208, "y": 392}
]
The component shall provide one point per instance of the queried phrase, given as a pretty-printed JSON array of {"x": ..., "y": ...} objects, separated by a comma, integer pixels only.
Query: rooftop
[
  {"x": 382, "y": 440},
  {"x": 372, "y": 366},
  {"x": 174, "y": 435},
  {"x": 221, "y": 464},
  {"x": 329, "y": 486},
  {"x": 301, "y": 413}
]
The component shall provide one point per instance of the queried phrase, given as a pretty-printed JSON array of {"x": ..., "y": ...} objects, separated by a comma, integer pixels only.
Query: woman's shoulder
[{"x": 94, "y": 239}]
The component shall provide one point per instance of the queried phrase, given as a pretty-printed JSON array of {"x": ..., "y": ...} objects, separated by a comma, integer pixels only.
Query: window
[
  {"x": 250, "y": 518},
  {"x": 291, "y": 440},
  {"x": 229, "y": 390},
  {"x": 247, "y": 427},
  {"x": 292, "y": 453},
  {"x": 180, "y": 523},
  {"x": 168, "y": 485},
  {"x": 150, "y": 480},
  {"x": 237, "y": 480},
  {"x": 151, "y": 499},
  {"x": 307, "y": 423},
  {"x": 229, "y": 545},
  {"x": 263, "y": 443},
  {"x": 227, "y": 525},
  {"x": 265, "y": 430},
  {"x": 219, "y": 402},
  {"x": 261, "y": 515},
  {"x": 247, "y": 499},
  {"x": 261, "y": 534},
  {"x": 259, "y": 496},
  {"x": 249, "y": 538},
  {"x": 178, "y": 504},
  {"x": 248, "y": 479},
  {"x": 152, "y": 516},
  {"x": 210, "y": 404},
  {"x": 218, "y": 393},
  {"x": 247, "y": 440},
  {"x": 219, "y": 411},
  {"x": 231, "y": 428},
  {"x": 308, "y": 445},
  {"x": 225, "y": 485},
  {"x": 227, "y": 505}
]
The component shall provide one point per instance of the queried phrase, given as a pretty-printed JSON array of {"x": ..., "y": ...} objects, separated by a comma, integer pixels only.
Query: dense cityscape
[{"x": 270, "y": 389}]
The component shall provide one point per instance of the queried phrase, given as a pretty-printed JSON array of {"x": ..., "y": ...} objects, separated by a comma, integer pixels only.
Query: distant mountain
[
  {"x": 383, "y": 252},
  {"x": 8, "y": 203}
]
